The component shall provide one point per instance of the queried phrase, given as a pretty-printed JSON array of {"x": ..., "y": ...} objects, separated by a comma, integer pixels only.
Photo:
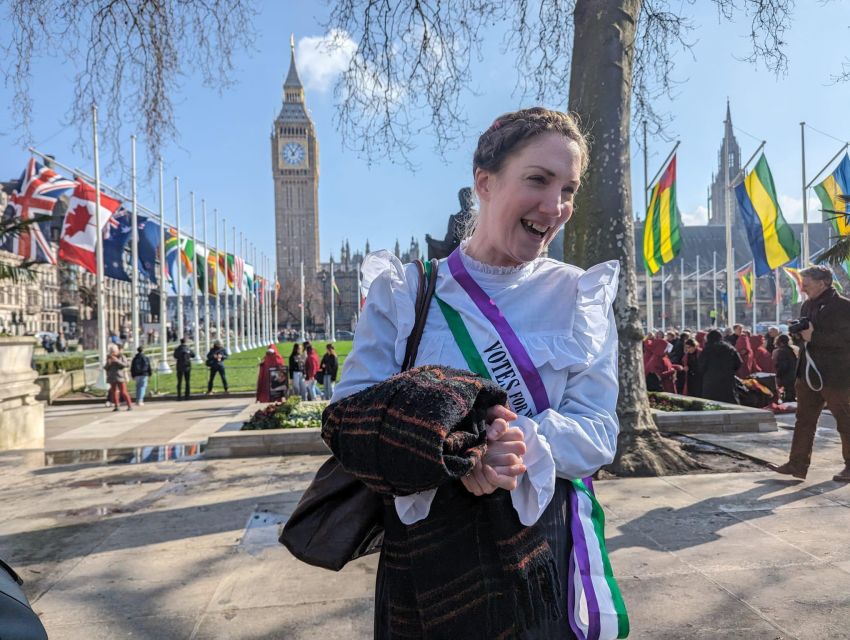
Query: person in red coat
[
  {"x": 761, "y": 355},
  {"x": 272, "y": 365},
  {"x": 744, "y": 348},
  {"x": 700, "y": 337},
  {"x": 311, "y": 368},
  {"x": 659, "y": 370}
]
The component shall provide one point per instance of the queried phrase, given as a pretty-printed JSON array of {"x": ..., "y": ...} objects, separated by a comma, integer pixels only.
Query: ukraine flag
[
  {"x": 771, "y": 239},
  {"x": 835, "y": 209}
]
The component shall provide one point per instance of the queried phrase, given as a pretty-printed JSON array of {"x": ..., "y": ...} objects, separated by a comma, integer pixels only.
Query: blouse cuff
[
  {"x": 532, "y": 495},
  {"x": 536, "y": 486},
  {"x": 415, "y": 507}
]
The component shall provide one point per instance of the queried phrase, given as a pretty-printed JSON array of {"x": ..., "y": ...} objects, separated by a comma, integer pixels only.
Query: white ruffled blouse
[{"x": 562, "y": 316}]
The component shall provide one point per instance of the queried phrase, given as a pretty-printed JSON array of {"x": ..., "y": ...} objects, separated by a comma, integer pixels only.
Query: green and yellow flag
[{"x": 661, "y": 232}]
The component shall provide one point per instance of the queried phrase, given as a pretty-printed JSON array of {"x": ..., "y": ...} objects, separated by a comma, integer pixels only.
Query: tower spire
[{"x": 293, "y": 91}]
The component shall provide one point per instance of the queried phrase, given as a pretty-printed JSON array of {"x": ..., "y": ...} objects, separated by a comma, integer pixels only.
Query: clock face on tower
[{"x": 293, "y": 153}]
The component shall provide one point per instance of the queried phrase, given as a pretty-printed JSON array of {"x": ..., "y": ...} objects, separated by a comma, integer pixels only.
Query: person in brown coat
[{"x": 823, "y": 371}]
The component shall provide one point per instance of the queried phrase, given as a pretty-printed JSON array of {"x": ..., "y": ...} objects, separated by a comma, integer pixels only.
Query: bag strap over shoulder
[{"x": 424, "y": 294}]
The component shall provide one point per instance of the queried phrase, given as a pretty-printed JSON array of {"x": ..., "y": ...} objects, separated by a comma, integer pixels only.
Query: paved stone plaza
[{"x": 188, "y": 549}]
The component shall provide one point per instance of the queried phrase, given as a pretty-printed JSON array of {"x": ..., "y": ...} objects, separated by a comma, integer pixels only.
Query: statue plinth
[{"x": 21, "y": 415}]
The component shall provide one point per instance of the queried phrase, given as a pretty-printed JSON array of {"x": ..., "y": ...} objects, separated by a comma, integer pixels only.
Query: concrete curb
[
  {"x": 733, "y": 418},
  {"x": 151, "y": 398},
  {"x": 265, "y": 442}
]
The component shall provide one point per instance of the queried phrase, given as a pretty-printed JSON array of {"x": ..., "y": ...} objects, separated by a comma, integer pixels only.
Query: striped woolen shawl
[{"x": 470, "y": 569}]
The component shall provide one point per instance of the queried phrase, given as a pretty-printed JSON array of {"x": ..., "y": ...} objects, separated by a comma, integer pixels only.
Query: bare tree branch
[{"x": 129, "y": 55}]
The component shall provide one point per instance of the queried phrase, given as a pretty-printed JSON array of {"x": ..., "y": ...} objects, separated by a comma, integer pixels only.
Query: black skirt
[{"x": 555, "y": 524}]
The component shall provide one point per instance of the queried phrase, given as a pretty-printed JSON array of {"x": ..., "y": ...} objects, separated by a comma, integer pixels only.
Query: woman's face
[{"x": 526, "y": 202}]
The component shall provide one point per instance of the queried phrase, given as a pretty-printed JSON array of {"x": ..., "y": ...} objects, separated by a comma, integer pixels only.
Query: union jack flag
[{"x": 39, "y": 189}]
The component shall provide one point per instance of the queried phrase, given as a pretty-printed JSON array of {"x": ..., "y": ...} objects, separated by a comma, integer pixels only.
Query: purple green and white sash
[{"x": 595, "y": 605}]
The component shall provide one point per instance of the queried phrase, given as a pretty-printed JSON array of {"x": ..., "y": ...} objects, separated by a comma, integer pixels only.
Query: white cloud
[
  {"x": 321, "y": 59},
  {"x": 698, "y": 216},
  {"x": 792, "y": 208}
]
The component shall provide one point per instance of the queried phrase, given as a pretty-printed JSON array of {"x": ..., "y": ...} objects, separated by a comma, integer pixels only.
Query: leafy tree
[{"x": 412, "y": 67}]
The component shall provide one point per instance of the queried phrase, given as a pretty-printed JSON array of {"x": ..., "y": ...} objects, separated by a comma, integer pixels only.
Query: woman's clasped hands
[{"x": 502, "y": 464}]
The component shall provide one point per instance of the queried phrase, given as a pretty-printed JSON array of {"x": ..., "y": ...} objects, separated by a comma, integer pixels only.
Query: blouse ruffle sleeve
[
  {"x": 582, "y": 431},
  {"x": 385, "y": 323}
]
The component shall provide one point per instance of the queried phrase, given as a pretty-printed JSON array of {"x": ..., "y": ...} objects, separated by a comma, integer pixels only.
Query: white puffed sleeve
[
  {"x": 385, "y": 323},
  {"x": 582, "y": 431}
]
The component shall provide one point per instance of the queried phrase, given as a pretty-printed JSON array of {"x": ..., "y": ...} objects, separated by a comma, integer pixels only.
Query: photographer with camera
[{"x": 823, "y": 370}]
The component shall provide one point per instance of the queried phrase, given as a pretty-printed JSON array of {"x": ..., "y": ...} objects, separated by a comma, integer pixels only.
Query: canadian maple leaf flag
[{"x": 78, "y": 240}]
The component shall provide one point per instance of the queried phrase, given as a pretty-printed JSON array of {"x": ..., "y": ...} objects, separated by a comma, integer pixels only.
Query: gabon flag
[
  {"x": 662, "y": 237},
  {"x": 78, "y": 241}
]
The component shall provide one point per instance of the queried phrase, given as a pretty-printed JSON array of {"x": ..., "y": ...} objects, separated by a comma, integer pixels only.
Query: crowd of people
[
  {"x": 711, "y": 364},
  {"x": 306, "y": 372}
]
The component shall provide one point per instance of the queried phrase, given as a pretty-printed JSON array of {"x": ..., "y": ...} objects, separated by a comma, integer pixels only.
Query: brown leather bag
[{"x": 338, "y": 519}]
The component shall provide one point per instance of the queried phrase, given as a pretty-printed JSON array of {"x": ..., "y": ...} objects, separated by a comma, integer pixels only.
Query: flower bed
[
  {"x": 289, "y": 414},
  {"x": 664, "y": 402}
]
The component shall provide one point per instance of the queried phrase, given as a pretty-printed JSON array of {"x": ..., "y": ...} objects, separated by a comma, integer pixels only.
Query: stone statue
[{"x": 442, "y": 248}]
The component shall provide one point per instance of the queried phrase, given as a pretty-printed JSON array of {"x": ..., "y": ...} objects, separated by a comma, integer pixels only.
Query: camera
[{"x": 798, "y": 326}]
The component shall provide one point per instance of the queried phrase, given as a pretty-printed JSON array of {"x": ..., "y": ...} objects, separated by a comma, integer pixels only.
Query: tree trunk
[{"x": 602, "y": 227}]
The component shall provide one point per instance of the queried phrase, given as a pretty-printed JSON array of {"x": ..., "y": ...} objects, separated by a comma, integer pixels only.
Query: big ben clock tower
[{"x": 295, "y": 169}]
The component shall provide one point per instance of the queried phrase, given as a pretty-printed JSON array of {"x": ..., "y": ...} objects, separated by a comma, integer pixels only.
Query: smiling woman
[{"x": 539, "y": 336}]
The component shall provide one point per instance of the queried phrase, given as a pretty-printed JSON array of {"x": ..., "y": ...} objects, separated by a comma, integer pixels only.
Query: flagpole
[
  {"x": 303, "y": 336},
  {"x": 178, "y": 277},
  {"x": 778, "y": 292},
  {"x": 663, "y": 301},
  {"x": 226, "y": 309},
  {"x": 195, "y": 318},
  {"x": 274, "y": 300},
  {"x": 805, "y": 204},
  {"x": 99, "y": 282},
  {"x": 682, "y": 293},
  {"x": 253, "y": 296},
  {"x": 730, "y": 258},
  {"x": 264, "y": 306},
  {"x": 234, "y": 302},
  {"x": 241, "y": 307},
  {"x": 206, "y": 267},
  {"x": 333, "y": 304},
  {"x": 715, "y": 324},
  {"x": 163, "y": 297},
  {"x": 215, "y": 278},
  {"x": 755, "y": 282},
  {"x": 699, "y": 309},
  {"x": 267, "y": 300},
  {"x": 134, "y": 247},
  {"x": 271, "y": 316},
  {"x": 650, "y": 311},
  {"x": 360, "y": 295}
]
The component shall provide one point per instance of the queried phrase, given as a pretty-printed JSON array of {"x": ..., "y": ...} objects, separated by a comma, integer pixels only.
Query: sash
[{"x": 595, "y": 605}]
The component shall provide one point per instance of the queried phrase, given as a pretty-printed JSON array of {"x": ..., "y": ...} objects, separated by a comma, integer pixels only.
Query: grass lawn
[{"x": 241, "y": 370}]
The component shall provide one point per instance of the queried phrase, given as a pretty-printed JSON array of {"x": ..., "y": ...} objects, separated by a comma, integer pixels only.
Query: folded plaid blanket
[{"x": 470, "y": 569}]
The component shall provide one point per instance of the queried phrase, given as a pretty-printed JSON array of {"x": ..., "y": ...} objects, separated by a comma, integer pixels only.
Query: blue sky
[{"x": 223, "y": 152}]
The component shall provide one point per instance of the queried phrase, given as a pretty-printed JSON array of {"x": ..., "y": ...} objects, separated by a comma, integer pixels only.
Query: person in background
[
  {"x": 140, "y": 370},
  {"x": 823, "y": 372},
  {"x": 772, "y": 335},
  {"x": 61, "y": 342},
  {"x": 215, "y": 361},
  {"x": 732, "y": 336},
  {"x": 328, "y": 368},
  {"x": 761, "y": 356},
  {"x": 296, "y": 371},
  {"x": 690, "y": 369},
  {"x": 718, "y": 363},
  {"x": 183, "y": 359},
  {"x": 116, "y": 376},
  {"x": 311, "y": 370},
  {"x": 785, "y": 364},
  {"x": 744, "y": 347},
  {"x": 660, "y": 372}
]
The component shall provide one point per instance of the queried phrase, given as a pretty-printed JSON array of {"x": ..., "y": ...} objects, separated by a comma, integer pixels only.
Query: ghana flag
[
  {"x": 771, "y": 239},
  {"x": 835, "y": 208},
  {"x": 661, "y": 232}
]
